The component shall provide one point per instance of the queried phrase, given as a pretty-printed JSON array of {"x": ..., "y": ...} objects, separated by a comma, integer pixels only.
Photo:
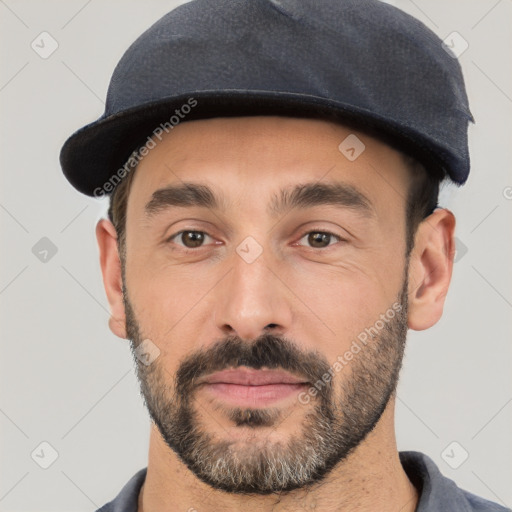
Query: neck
[{"x": 370, "y": 478}]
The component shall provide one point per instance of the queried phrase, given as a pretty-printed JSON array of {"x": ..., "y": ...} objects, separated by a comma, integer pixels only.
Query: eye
[
  {"x": 189, "y": 239},
  {"x": 320, "y": 239}
]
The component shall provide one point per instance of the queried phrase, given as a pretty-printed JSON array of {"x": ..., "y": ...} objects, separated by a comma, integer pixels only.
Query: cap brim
[{"x": 91, "y": 156}]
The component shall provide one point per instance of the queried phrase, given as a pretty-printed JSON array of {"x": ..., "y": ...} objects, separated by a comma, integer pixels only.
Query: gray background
[{"x": 66, "y": 380}]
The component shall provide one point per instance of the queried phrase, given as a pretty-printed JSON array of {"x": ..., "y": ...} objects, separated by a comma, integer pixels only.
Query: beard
[{"x": 344, "y": 410}]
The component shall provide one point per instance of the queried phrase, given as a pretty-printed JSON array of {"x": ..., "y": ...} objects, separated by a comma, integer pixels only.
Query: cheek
[
  {"x": 341, "y": 301},
  {"x": 166, "y": 300}
]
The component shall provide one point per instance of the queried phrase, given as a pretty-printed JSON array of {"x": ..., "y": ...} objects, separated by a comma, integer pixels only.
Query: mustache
[{"x": 267, "y": 351}]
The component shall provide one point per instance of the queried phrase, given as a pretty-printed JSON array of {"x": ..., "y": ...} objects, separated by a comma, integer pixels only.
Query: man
[{"x": 273, "y": 232}]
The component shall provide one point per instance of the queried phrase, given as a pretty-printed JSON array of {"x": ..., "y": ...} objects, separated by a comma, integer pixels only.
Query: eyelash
[{"x": 324, "y": 232}]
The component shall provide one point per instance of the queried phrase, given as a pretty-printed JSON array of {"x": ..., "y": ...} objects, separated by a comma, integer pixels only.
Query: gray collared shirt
[{"x": 437, "y": 493}]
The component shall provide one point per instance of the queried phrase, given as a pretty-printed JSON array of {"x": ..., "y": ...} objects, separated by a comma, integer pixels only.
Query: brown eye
[
  {"x": 189, "y": 239},
  {"x": 320, "y": 239},
  {"x": 192, "y": 238}
]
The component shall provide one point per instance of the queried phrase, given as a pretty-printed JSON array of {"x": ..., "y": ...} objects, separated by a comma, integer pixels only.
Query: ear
[
  {"x": 430, "y": 269},
  {"x": 112, "y": 279}
]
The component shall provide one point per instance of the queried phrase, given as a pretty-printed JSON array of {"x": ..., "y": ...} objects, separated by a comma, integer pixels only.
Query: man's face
[{"x": 257, "y": 301}]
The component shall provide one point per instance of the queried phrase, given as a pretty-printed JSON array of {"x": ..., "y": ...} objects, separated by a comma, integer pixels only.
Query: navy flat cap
[{"x": 362, "y": 62}]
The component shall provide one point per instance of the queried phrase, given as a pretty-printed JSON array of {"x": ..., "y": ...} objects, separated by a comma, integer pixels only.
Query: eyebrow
[
  {"x": 187, "y": 195},
  {"x": 320, "y": 194}
]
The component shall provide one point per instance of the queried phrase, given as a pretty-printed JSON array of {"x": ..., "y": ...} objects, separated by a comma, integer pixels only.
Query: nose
[{"x": 252, "y": 300}]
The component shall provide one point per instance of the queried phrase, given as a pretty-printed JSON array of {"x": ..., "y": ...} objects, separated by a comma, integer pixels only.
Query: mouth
[{"x": 247, "y": 387}]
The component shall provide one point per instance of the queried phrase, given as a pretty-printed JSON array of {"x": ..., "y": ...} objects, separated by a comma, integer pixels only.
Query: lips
[
  {"x": 245, "y": 387},
  {"x": 250, "y": 377}
]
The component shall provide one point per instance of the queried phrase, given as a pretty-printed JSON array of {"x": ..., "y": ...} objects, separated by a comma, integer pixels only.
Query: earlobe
[
  {"x": 112, "y": 280},
  {"x": 430, "y": 269}
]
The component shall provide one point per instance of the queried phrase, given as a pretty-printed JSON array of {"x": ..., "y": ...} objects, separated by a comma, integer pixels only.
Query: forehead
[{"x": 255, "y": 157}]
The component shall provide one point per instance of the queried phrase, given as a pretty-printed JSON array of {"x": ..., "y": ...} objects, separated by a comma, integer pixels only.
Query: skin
[{"x": 319, "y": 298}]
